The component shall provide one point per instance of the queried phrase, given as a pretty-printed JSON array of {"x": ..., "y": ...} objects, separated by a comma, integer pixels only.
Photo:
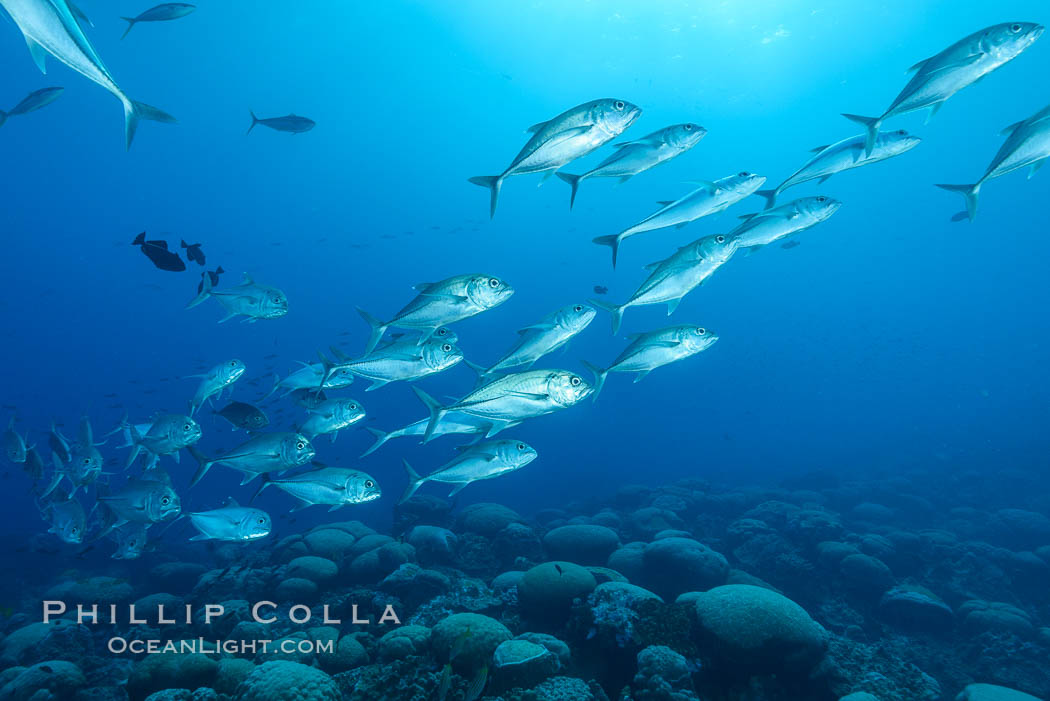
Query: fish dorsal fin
[
  {"x": 665, "y": 203},
  {"x": 38, "y": 53},
  {"x": 704, "y": 185},
  {"x": 1010, "y": 129},
  {"x": 652, "y": 266},
  {"x": 818, "y": 149},
  {"x": 647, "y": 141},
  {"x": 536, "y": 127},
  {"x": 917, "y": 66},
  {"x": 230, "y": 501}
]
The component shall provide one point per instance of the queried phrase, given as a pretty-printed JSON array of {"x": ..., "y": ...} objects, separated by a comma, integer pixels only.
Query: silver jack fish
[
  {"x": 537, "y": 340},
  {"x": 675, "y": 277},
  {"x": 248, "y": 299},
  {"x": 49, "y": 27},
  {"x": 311, "y": 377},
  {"x": 570, "y": 135},
  {"x": 478, "y": 462},
  {"x": 654, "y": 349},
  {"x": 166, "y": 435},
  {"x": 84, "y": 464},
  {"x": 215, "y": 381},
  {"x": 441, "y": 303},
  {"x": 709, "y": 198},
  {"x": 233, "y": 523},
  {"x": 14, "y": 444},
  {"x": 844, "y": 155},
  {"x": 131, "y": 539},
  {"x": 961, "y": 64},
  {"x": 329, "y": 486},
  {"x": 331, "y": 416},
  {"x": 511, "y": 399},
  {"x": 402, "y": 360},
  {"x": 150, "y": 499},
  {"x": 269, "y": 452},
  {"x": 453, "y": 422},
  {"x": 764, "y": 228},
  {"x": 634, "y": 157},
  {"x": 1027, "y": 145},
  {"x": 67, "y": 518}
]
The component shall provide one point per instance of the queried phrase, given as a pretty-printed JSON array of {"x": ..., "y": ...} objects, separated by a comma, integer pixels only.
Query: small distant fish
[
  {"x": 193, "y": 252},
  {"x": 32, "y": 102},
  {"x": 791, "y": 244},
  {"x": 79, "y": 14},
  {"x": 244, "y": 416},
  {"x": 158, "y": 253},
  {"x": 293, "y": 123},
  {"x": 213, "y": 278},
  {"x": 160, "y": 13},
  {"x": 601, "y": 290},
  {"x": 14, "y": 444}
]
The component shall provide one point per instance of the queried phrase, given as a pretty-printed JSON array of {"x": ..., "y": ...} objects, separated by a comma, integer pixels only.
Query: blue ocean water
[{"x": 891, "y": 342}]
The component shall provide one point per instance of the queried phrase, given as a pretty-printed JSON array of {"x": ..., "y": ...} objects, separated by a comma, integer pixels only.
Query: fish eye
[
  {"x": 743, "y": 174},
  {"x": 353, "y": 407},
  {"x": 521, "y": 446},
  {"x": 720, "y": 239},
  {"x": 578, "y": 308},
  {"x": 87, "y": 461},
  {"x": 233, "y": 363},
  {"x": 1015, "y": 28},
  {"x": 261, "y": 521},
  {"x": 442, "y": 332},
  {"x": 575, "y": 381},
  {"x": 701, "y": 331},
  {"x": 822, "y": 199},
  {"x": 447, "y": 347},
  {"x": 901, "y": 132},
  {"x": 165, "y": 500},
  {"x": 186, "y": 427},
  {"x": 369, "y": 484},
  {"x": 300, "y": 445},
  {"x": 619, "y": 104},
  {"x": 493, "y": 282},
  {"x": 73, "y": 529},
  {"x": 688, "y": 127}
]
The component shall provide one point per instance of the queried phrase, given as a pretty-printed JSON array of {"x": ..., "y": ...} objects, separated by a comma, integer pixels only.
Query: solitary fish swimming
[
  {"x": 763, "y": 228},
  {"x": 331, "y": 486},
  {"x": 1027, "y": 145},
  {"x": 160, "y": 13},
  {"x": 961, "y": 64},
  {"x": 248, "y": 299},
  {"x": 844, "y": 155},
  {"x": 49, "y": 26},
  {"x": 292, "y": 123},
  {"x": 32, "y": 102},
  {"x": 709, "y": 198},
  {"x": 654, "y": 349},
  {"x": 675, "y": 277},
  {"x": 634, "y": 157},
  {"x": 477, "y": 462},
  {"x": 570, "y": 135},
  {"x": 232, "y": 523}
]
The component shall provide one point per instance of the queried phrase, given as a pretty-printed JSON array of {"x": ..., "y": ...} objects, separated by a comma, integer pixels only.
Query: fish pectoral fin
[
  {"x": 672, "y": 305},
  {"x": 542, "y": 326},
  {"x": 823, "y": 179},
  {"x": 200, "y": 537},
  {"x": 682, "y": 225},
  {"x": 529, "y": 395},
  {"x": 376, "y": 384},
  {"x": 665, "y": 203},
  {"x": 1010, "y": 129},
  {"x": 664, "y": 344},
  {"x": 457, "y": 489},
  {"x": 336, "y": 507},
  {"x": 704, "y": 185},
  {"x": 641, "y": 376},
  {"x": 917, "y": 66},
  {"x": 39, "y": 54},
  {"x": 932, "y": 111},
  {"x": 1035, "y": 168}
]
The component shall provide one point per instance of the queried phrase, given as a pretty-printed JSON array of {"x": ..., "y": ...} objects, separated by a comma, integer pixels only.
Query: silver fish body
[
  {"x": 482, "y": 461},
  {"x": 232, "y": 523},
  {"x": 332, "y": 416},
  {"x": 215, "y": 381},
  {"x": 268, "y": 452},
  {"x": 400, "y": 361},
  {"x": 14, "y": 444},
  {"x": 249, "y": 299},
  {"x": 167, "y": 434},
  {"x": 453, "y": 422},
  {"x": 143, "y": 501},
  {"x": 653, "y": 349},
  {"x": 330, "y": 486},
  {"x": 764, "y": 228},
  {"x": 68, "y": 520},
  {"x": 545, "y": 336}
]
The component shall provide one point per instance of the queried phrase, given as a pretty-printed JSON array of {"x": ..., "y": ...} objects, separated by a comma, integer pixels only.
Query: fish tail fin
[
  {"x": 871, "y": 125},
  {"x": 437, "y": 412},
  {"x": 381, "y": 438},
  {"x": 378, "y": 329},
  {"x": 327, "y": 367},
  {"x": 574, "y": 183},
  {"x": 266, "y": 482},
  {"x": 599, "y": 377},
  {"x": 612, "y": 242},
  {"x": 770, "y": 197},
  {"x": 205, "y": 464},
  {"x": 493, "y": 183},
  {"x": 414, "y": 480},
  {"x": 205, "y": 292},
  {"x": 134, "y": 111},
  {"x": 482, "y": 372},
  {"x": 617, "y": 312},
  {"x": 139, "y": 240},
  {"x": 255, "y": 120},
  {"x": 131, "y": 23},
  {"x": 969, "y": 193},
  {"x": 134, "y": 442}
]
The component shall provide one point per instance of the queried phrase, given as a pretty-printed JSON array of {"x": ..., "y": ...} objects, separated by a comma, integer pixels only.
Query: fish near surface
[
  {"x": 215, "y": 381},
  {"x": 441, "y": 303},
  {"x": 545, "y": 336},
  {"x": 844, "y": 155},
  {"x": 572, "y": 134},
  {"x": 269, "y": 452},
  {"x": 960, "y": 65},
  {"x": 332, "y": 416},
  {"x": 673, "y": 278},
  {"x": 511, "y": 399},
  {"x": 329, "y": 486},
  {"x": 247, "y": 299},
  {"x": 766, "y": 227},
  {"x": 654, "y": 349},
  {"x": 50, "y": 27},
  {"x": 709, "y": 198},
  {"x": 634, "y": 157},
  {"x": 482, "y": 461},
  {"x": 159, "y": 255},
  {"x": 399, "y": 361},
  {"x": 161, "y": 13},
  {"x": 1027, "y": 145},
  {"x": 232, "y": 523},
  {"x": 292, "y": 123}
]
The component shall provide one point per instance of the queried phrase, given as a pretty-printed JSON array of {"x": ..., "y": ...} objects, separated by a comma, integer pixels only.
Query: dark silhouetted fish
[
  {"x": 32, "y": 102},
  {"x": 194, "y": 252},
  {"x": 601, "y": 290},
  {"x": 157, "y": 251},
  {"x": 79, "y": 15},
  {"x": 160, "y": 13},
  {"x": 791, "y": 244},
  {"x": 243, "y": 415},
  {"x": 214, "y": 277},
  {"x": 292, "y": 123}
]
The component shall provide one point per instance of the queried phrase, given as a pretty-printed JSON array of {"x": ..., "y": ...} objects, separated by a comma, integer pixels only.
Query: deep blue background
[{"x": 890, "y": 340}]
